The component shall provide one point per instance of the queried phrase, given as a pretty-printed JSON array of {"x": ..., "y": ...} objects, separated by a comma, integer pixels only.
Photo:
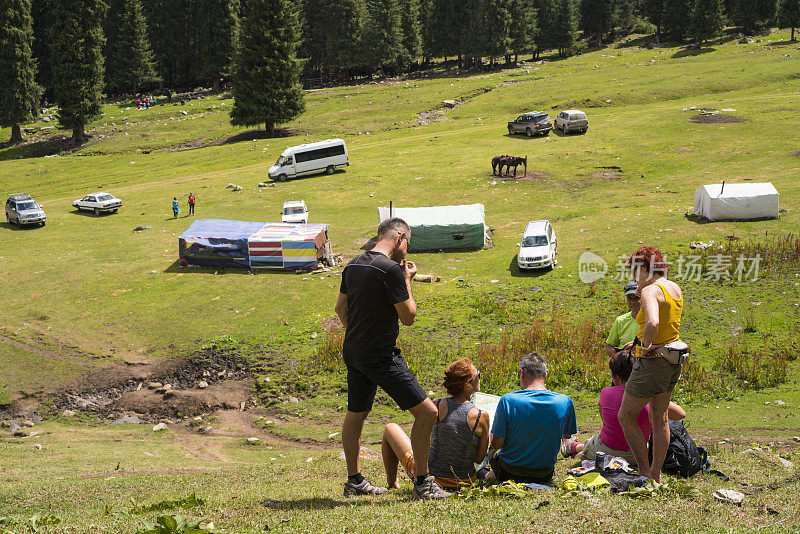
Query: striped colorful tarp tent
[
  {"x": 223, "y": 243},
  {"x": 287, "y": 246}
]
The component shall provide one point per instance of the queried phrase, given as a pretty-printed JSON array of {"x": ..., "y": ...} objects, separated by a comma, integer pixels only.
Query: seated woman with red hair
[{"x": 460, "y": 434}]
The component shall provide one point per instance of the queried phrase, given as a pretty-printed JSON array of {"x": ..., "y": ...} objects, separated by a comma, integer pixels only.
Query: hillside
[{"x": 92, "y": 305}]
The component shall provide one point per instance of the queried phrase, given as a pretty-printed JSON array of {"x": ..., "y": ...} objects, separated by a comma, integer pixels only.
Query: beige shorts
[
  {"x": 651, "y": 376},
  {"x": 593, "y": 445}
]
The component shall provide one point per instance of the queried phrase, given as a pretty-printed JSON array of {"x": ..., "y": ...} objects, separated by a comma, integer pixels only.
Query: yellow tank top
[{"x": 669, "y": 320}]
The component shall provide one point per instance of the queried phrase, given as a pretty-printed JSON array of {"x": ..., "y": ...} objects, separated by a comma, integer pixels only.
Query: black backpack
[{"x": 684, "y": 457}]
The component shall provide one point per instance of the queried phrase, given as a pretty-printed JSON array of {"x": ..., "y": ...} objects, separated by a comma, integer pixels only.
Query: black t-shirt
[{"x": 373, "y": 284}]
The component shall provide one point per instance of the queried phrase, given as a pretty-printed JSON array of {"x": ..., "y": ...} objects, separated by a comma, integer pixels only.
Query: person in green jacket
[
  {"x": 624, "y": 329},
  {"x": 176, "y": 209}
]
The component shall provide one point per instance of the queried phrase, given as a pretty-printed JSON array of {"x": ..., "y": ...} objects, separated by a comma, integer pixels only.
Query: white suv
[
  {"x": 294, "y": 211},
  {"x": 538, "y": 247}
]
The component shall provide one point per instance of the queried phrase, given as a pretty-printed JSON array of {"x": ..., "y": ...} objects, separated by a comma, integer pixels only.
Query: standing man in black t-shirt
[{"x": 375, "y": 292}]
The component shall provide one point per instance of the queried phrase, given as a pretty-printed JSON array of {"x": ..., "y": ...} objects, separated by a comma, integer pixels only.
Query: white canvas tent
[{"x": 736, "y": 201}]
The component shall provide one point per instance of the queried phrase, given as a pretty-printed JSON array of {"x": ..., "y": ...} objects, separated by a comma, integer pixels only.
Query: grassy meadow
[{"x": 86, "y": 292}]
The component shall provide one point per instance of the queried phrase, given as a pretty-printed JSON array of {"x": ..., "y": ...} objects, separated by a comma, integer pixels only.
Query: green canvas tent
[{"x": 442, "y": 227}]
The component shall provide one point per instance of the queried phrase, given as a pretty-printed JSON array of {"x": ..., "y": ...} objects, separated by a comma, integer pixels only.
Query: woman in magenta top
[{"x": 611, "y": 439}]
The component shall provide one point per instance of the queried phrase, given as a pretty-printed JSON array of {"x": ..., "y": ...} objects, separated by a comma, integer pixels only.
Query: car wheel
[
  {"x": 44, "y": 222},
  {"x": 113, "y": 211},
  {"x": 97, "y": 211},
  {"x": 281, "y": 177},
  {"x": 330, "y": 169},
  {"x": 510, "y": 130},
  {"x": 528, "y": 132}
]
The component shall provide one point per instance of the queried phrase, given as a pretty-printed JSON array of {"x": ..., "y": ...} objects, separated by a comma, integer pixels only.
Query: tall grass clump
[
  {"x": 572, "y": 348},
  {"x": 754, "y": 368},
  {"x": 328, "y": 355},
  {"x": 774, "y": 252}
]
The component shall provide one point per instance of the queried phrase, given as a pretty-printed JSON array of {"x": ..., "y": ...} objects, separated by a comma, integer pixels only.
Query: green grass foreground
[{"x": 87, "y": 292}]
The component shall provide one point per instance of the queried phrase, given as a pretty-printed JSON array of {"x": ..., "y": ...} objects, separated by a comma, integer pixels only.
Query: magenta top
[{"x": 611, "y": 434}]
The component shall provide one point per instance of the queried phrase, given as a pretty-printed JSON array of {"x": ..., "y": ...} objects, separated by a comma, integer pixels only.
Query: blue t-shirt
[{"x": 532, "y": 423}]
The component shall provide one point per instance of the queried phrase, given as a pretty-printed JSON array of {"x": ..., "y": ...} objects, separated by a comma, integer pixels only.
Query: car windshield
[
  {"x": 280, "y": 161},
  {"x": 105, "y": 197},
  {"x": 24, "y": 206},
  {"x": 534, "y": 241},
  {"x": 541, "y": 118},
  {"x": 292, "y": 211},
  {"x": 576, "y": 117}
]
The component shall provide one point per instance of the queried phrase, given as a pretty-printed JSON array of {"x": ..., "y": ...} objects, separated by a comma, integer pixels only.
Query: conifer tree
[
  {"x": 522, "y": 29},
  {"x": 565, "y": 26},
  {"x": 19, "y": 94},
  {"x": 266, "y": 86},
  {"x": 381, "y": 44},
  {"x": 216, "y": 34},
  {"x": 653, "y": 10},
  {"x": 675, "y": 20},
  {"x": 597, "y": 17},
  {"x": 706, "y": 19},
  {"x": 42, "y": 21},
  {"x": 754, "y": 15},
  {"x": 547, "y": 12},
  {"x": 130, "y": 64},
  {"x": 789, "y": 15},
  {"x": 410, "y": 28},
  {"x": 330, "y": 31},
  {"x": 495, "y": 22},
  {"x": 77, "y": 57}
]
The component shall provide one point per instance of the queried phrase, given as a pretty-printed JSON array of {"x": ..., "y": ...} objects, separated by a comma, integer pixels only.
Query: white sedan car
[{"x": 98, "y": 202}]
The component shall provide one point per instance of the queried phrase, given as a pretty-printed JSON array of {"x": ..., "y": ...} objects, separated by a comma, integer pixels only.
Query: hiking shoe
[
  {"x": 365, "y": 488},
  {"x": 569, "y": 448},
  {"x": 430, "y": 489}
]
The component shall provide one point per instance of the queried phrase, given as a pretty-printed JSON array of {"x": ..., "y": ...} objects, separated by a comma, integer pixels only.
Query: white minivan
[
  {"x": 324, "y": 156},
  {"x": 538, "y": 247},
  {"x": 294, "y": 211}
]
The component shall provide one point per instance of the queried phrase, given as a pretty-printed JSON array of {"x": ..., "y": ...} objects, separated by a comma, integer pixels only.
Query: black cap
[{"x": 630, "y": 288}]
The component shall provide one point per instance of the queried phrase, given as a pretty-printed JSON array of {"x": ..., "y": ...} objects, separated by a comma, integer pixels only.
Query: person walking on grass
[
  {"x": 653, "y": 378},
  {"x": 176, "y": 209},
  {"x": 191, "y": 203},
  {"x": 375, "y": 292}
]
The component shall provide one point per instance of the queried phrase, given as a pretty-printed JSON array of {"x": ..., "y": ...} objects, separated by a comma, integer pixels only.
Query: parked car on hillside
[
  {"x": 572, "y": 120},
  {"x": 538, "y": 247},
  {"x": 98, "y": 202},
  {"x": 22, "y": 209},
  {"x": 531, "y": 123},
  {"x": 294, "y": 211}
]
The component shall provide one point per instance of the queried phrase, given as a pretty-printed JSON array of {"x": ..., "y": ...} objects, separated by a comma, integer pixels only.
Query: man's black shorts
[{"x": 390, "y": 372}]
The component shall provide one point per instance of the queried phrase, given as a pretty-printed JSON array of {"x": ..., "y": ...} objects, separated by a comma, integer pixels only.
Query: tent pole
[
  {"x": 390, "y": 209},
  {"x": 721, "y": 189}
]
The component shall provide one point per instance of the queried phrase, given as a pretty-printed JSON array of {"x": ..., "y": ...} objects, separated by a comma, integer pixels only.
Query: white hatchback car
[
  {"x": 538, "y": 247},
  {"x": 294, "y": 211},
  {"x": 98, "y": 202}
]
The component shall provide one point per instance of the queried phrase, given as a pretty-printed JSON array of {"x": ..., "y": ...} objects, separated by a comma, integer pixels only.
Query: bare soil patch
[
  {"x": 425, "y": 118},
  {"x": 719, "y": 118},
  {"x": 611, "y": 172},
  {"x": 521, "y": 176},
  {"x": 120, "y": 392},
  {"x": 684, "y": 149}
]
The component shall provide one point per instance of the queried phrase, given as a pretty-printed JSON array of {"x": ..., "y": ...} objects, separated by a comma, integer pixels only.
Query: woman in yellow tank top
[{"x": 653, "y": 378}]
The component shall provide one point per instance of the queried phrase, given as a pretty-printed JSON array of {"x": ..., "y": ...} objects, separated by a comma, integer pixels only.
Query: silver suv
[
  {"x": 22, "y": 209},
  {"x": 532, "y": 123},
  {"x": 572, "y": 120}
]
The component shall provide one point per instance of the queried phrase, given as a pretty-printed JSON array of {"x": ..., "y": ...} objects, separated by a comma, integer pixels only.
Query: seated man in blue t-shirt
[{"x": 528, "y": 427}]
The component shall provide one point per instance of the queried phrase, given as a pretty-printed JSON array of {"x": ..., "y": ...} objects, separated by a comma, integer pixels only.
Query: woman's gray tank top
[{"x": 454, "y": 443}]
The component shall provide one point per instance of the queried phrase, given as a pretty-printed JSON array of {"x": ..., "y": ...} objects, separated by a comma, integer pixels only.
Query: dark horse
[{"x": 508, "y": 162}]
